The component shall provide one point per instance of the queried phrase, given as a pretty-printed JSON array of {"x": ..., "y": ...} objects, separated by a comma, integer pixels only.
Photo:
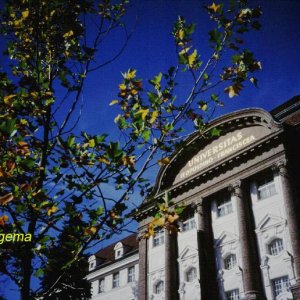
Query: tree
[{"x": 53, "y": 180}]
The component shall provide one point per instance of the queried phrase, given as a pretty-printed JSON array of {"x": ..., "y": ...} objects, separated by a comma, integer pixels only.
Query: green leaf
[
  {"x": 38, "y": 273},
  {"x": 70, "y": 141},
  {"x": 215, "y": 36},
  {"x": 100, "y": 210},
  {"x": 28, "y": 162},
  {"x": 100, "y": 138},
  {"x": 146, "y": 135},
  {"x": 9, "y": 127},
  {"x": 215, "y": 132}
]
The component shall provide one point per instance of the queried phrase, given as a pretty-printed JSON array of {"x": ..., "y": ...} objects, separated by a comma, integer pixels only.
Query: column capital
[
  {"x": 141, "y": 234},
  {"x": 236, "y": 188},
  {"x": 280, "y": 167},
  {"x": 197, "y": 205}
]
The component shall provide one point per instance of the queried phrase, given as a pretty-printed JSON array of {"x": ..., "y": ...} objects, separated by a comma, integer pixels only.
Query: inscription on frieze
[{"x": 221, "y": 148}]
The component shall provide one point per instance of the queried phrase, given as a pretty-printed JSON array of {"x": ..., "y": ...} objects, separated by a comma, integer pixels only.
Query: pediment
[
  {"x": 226, "y": 238},
  {"x": 187, "y": 252},
  {"x": 238, "y": 132},
  {"x": 269, "y": 221},
  {"x": 119, "y": 245}
]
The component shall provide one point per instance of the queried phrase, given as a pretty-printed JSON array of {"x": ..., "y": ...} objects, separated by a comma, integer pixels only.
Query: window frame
[
  {"x": 228, "y": 262},
  {"x": 224, "y": 206},
  {"x": 115, "y": 281},
  {"x": 158, "y": 238},
  {"x": 284, "y": 285},
  {"x": 233, "y": 294},
  {"x": 131, "y": 275},
  {"x": 159, "y": 287},
  {"x": 101, "y": 289},
  {"x": 275, "y": 246},
  {"x": 266, "y": 184},
  {"x": 188, "y": 272},
  {"x": 188, "y": 224}
]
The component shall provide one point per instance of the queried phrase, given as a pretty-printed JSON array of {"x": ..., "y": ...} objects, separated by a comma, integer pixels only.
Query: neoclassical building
[{"x": 239, "y": 235}]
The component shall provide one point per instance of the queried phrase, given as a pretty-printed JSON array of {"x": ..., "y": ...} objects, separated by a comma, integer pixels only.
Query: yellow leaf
[
  {"x": 153, "y": 116},
  {"x": 3, "y": 220},
  {"x": 68, "y": 34},
  {"x": 25, "y": 14},
  {"x": 128, "y": 160},
  {"x": 164, "y": 161},
  {"x": 7, "y": 99},
  {"x": 104, "y": 160},
  {"x": 90, "y": 230},
  {"x": 122, "y": 86},
  {"x": 134, "y": 91},
  {"x": 117, "y": 118},
  {"x": 233, "y": 90},
  {"x": 192, "y": 58},
  {"x": 113, "y": 102},
  {"x": 204, "y": 107},
  {"x": 52, "y": 210},
  {"x": 214, "y": 7},
  {"x": 92, "y": 143},
  {"x": 180, "y": 34},
  {"x": 151, "y": 231},
  {"x": 34, "y": 207},
  {"x": 6, "y": 198},
  {"x": 185, "y": 50},
  {"x": 159, "y": 222},
  {"x": 130, "y": 74},
  {"x": 143, "y": 113},
  {"x": 172, "y": 218}
]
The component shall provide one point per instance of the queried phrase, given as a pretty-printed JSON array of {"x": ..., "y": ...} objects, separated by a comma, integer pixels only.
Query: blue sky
[{"x": 151, "y": 50}]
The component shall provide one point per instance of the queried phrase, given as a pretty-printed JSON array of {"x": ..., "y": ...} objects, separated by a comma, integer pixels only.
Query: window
[
  {"x": 275, "y": 247},
  {"x": 233, "y": 295},
  {"x": 280, "y": 285},
  {"x": 189, "y": 224},
  {"x": 131, "y": 274},
  {"x": 116, "y": 279},
  {"x": 266, "y": 187},
  {"x": 191, "y": 275},
  {"x": 230, "y": 261},
  {"x": 159, "y": 238},
  {"x": 101, "y": 285},
  {"x": 159, "y": 287},
  {"x": 224, "y": 206}
]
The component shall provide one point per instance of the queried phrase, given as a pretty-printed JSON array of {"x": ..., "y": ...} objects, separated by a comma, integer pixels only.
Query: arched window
[
  {"x": 275, "y": 247},
  {"x": 230, "y": 261},
  {"x": 191, "y": 275},
  {"x": 159, "y": 287}
]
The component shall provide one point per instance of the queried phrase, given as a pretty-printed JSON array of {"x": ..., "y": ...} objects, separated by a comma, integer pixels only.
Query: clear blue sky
[{"x": 151, "y": 50}]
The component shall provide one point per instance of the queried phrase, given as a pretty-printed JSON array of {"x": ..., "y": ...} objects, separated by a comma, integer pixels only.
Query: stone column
[
  {"x": 292, "y": 211},
  {"x": 143, "y": 268},
  {"x": 171, "y": 266},
  {"x": 207, "y": 268},
  {"x": 251, "y": 272}
]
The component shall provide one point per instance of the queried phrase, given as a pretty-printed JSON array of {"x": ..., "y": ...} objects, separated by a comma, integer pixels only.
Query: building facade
[
  {"x": 238, "y": 237},
  {"x": 113, "y": 271}
]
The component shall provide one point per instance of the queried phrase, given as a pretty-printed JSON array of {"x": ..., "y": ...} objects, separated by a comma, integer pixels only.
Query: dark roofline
[
  {"x": 287, "y": 108},
  {"x": 108, "y": 263}
]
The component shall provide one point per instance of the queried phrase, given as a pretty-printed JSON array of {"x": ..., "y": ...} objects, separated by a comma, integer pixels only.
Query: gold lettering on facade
[{"x": 216, "y": 153}]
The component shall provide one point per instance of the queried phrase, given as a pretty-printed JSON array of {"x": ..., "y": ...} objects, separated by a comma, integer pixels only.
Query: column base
[
  {"x": 254, "y": 295},
  {"x": 295, "y": 289}
]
